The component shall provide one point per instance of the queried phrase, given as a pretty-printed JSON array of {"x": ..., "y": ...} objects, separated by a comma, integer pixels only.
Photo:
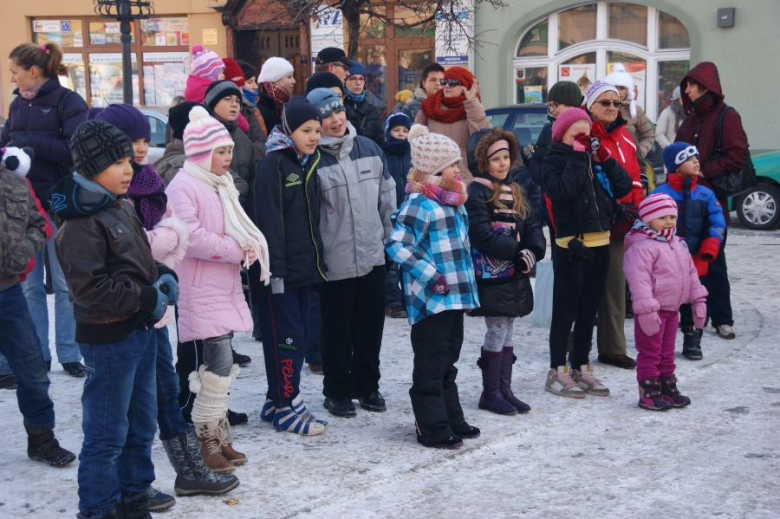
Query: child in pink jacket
[
  {"x": 211, "y": 305},
  {"x": 661, "y": 275}
]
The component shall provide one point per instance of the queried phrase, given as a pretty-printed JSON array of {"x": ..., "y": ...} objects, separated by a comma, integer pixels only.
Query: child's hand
[
  {"x": 525, "y": 260},
  {"x": 577, "y": 145},
  {"x": 168, "y": 286},
  {"x": 649, "y": 323},
  {"x": 440, "y": 286},
  {"x": 699, "y": 314}
]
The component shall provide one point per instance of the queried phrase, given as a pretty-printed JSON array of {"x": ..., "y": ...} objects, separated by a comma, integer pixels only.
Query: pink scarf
[{"x": 448, "y": 192}]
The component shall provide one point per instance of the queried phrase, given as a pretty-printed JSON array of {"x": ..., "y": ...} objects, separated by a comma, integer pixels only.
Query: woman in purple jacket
[{"x": 42, "y": 117}]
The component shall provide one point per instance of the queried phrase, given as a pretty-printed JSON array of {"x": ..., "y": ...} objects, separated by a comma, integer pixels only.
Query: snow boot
[
  {"x": 492, "y": 399},
  {"x": 295, "y": 418},
  {"x": 210, "y": 439},
  {"x": 692, "y": 344},
  {"x": 43, "y": 446},
  {"x": 192, "y": 475},
  {"x": 650, "y": 397},
  {"x": 467, "y": 432},
  {"x": 235, "y": 457},
  {"x": 159, "y": 501},
  {"x": 670, "y": 392},
  {"x": 506, "y": 381},
  {"x": 134, "y": 506}
]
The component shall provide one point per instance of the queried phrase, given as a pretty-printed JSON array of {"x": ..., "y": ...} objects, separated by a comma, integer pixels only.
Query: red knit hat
[
  {"x": 463, "y": 75},
  {"x": 233, "y": 72},
  {"x": 566, "y": 119}
]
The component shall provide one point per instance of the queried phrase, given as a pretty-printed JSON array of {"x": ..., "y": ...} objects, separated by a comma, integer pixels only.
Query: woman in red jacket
[{"x": 603, "y": 104}]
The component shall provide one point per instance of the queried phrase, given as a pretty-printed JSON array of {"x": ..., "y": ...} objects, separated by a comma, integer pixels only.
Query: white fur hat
[
  {"x": 274, "y": 69},
  {"x": 621, "y": 78}
]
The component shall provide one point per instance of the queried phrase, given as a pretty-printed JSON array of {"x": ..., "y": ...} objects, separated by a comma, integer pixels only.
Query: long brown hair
[
  {"x": 520, "y": 204},
  {"x": 47, "y": 57}
]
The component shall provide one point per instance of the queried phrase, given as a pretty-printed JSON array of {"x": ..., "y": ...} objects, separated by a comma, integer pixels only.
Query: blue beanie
[
  {"x": 325, "y": 101},
  {"x": 356, "y": 69},
  {"x": 677, "y": 153},
  {"x": 127, "y": 118},
  {"x": 397, "y": 119}
]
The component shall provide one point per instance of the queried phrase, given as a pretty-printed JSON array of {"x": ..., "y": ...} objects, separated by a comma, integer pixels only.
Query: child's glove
[
  {"x": 440, "y": 286},
  {"x": 581, "y": 142},
  {"x": 168, "y": 286},
  {"x": 525, "y": 260},
  {"x": 699, "y": 314},
  {"x": 649, "y": 323},
  {"x": 599, "y": 152}
]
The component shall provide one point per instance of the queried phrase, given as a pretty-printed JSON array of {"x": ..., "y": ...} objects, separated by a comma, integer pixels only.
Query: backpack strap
[
  {"x": 719, "y": 131},
  {"x": 61, "y": 111}
]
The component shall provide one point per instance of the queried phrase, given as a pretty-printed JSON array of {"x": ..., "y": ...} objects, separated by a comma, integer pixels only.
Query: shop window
[
  {"x": 576, "y": 25},
  {"x": 534, "y": 42},
  {"x": 77, "y": 76},
  {"x": 373, "y": 58},
  {"x": 164, "y": 32},
  {"x": 65, "y": 33},
  {"x": 107, "y": 33},
  {"x": 628, "y": 22},
  {"x": 633, "y": 65},
  {"x": 672, "y": 34},
  {"x": 531, "y": 85},
  {"x": 670, "y": 73},
  {"x": 410, "y": 65},
  {"x": 165, "y": 76},
  {"x": 579, "y": 69},
  {"x": 105, "y": 78}
]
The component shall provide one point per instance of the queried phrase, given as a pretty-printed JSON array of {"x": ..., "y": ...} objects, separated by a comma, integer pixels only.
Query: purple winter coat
[
  {"x": 36, "y": 124},
  {"x": 661, "y": 275}
]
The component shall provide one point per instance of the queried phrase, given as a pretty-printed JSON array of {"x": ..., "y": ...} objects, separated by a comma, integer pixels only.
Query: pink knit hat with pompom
[
  {"x": 566, "y": 119},
  {"x": 206, "y": 63}
]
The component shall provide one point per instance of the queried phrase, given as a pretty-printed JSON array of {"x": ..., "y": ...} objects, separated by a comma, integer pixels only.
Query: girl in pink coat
[
  {"x": 211, "y": 304},
  {"x": 661, "y": 275}
]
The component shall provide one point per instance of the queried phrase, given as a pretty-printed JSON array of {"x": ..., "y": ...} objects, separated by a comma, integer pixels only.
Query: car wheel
[{"x": 757, "y": 208}]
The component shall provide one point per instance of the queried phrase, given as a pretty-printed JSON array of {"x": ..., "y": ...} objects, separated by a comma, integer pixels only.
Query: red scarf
[
  {"x": 277, "y": 94},
  {"x": 444, "y": 109}
]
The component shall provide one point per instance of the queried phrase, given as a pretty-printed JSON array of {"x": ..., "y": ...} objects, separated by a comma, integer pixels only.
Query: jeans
[
  {"x": 19, "y": 344},
  {"x": 34, "y": 291},
  {"x": 169, "y": 416},
  {"x": 5, "y": 369},
  {"x": 119, "y": 422}
]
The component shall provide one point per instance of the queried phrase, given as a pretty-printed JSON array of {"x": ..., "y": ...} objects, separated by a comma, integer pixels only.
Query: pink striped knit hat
[
  {"x": 202, "y": 135},
  {"x": 656, "y": 206},
  {"x": 206, "y": 63}
]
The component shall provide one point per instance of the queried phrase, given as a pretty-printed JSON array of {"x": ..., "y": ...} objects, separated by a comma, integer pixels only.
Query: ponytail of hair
[{"x": 47, "y": 57}]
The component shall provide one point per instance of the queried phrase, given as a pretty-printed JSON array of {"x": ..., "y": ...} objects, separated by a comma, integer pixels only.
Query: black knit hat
[
  {"x": 297, "y": 111},
  {"x": 566, "y": 92},
  {"x": 179, "y": 117},
  {"x": 323, "y": 80},
  {"x": 219, "y": 90},
  {"x": 95, "y": 145},
  {"x": 249, "y": 70}
]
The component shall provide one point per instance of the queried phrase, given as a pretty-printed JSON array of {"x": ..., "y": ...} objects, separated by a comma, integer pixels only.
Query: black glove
[
  {"x": 579, "y": 253},
  {"x": 525, "y": 260}
]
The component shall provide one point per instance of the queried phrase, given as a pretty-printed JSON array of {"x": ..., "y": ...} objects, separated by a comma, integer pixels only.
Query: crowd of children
[{"x": 390, "y": 230}]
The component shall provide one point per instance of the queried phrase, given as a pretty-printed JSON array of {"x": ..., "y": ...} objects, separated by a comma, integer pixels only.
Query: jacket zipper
[
  {"x": 308, "y": 212},
  {"x": 593, "y": 190}
]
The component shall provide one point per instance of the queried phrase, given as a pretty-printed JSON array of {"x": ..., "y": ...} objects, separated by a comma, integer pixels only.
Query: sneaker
[
  {"x": 590, "y": 384},
  {"x": 726, "y": 331},
  {"x": 396, "y": 312},
  {"x": 559, "y": 382},
  {"x": 316, "y": 368},
  {"x": 267, "y": 413},
  {"x": 7, "y": 382},
  {"x": 619, "y": 361},
  {"x": 75, "y": 369},
  {"x": 373, "y": 402},
  {"x": 295, "y": 418}
]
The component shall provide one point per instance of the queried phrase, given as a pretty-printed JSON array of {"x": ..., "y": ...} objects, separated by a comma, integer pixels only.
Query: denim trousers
[
  {"x": 34, "y": 291},
  {"x": 169, "y": 415},
  {"x": 19, "y": 344},
  {"x": 120, "y": 418}
]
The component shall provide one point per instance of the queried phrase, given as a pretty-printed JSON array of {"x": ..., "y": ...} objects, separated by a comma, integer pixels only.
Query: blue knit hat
[
  {"x": 356, "y": 69},
  {"x": 127, "y": 118},
  {"x": 677, "y": 153},
  {"x": 325, "y": 101},
  {"x": 397, "y": 119}
]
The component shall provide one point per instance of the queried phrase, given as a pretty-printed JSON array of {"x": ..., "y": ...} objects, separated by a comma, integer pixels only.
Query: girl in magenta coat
[{"x": 661, "y": 275}]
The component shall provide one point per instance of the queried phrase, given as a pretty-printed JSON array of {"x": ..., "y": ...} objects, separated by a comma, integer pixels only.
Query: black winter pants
[
  {"x": 577, "y": 290},
  {"x": 436, "y": 341},
  {"x": 353, "y": 319}
]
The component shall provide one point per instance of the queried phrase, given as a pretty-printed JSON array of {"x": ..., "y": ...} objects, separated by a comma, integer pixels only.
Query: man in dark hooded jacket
[{"x": 703, "y": 101}]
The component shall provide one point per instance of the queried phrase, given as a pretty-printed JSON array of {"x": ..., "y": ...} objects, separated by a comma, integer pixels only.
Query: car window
[
  {"x": 158, "y": 132},
  {"x": 528, "y": 126},
  {"x": 497, "y": 119}
]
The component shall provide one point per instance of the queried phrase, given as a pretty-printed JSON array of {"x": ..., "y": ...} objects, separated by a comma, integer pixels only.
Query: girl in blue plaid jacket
[{"x": 430, "y": 243}]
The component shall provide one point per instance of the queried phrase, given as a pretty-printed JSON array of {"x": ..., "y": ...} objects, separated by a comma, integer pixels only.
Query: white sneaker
[
  {"x": 590, "y": 384},
  {"x": 559, "y": 382},
  {"x": 726, "y": 331}
]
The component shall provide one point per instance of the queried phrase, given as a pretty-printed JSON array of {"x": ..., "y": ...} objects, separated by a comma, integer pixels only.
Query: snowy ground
[{"x": 597, "y": 457}]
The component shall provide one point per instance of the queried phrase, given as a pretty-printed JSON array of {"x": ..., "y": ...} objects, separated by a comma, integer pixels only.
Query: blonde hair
[
  {"x": 404, "y": 96},
  {"x": 520, "y": 205}
]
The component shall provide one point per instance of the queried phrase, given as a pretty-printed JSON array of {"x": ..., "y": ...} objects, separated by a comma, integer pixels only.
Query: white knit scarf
[{"x": 237, "y": 224}]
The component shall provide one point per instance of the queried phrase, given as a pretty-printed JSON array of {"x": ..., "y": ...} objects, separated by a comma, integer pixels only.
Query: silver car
[{"x": 158, "y": 121}]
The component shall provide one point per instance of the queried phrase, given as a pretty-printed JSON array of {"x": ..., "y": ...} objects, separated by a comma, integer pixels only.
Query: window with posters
[
  {"x": 92, "y": 51},
  {"x": 589, "y": 41}
]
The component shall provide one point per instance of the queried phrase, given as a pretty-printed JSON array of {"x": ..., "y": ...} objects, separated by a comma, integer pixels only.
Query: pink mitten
[
  {"x": 699, "y": 314},
  {"x": 440, "y": 286},
  {"x": 577, "y": 146},
  {"x": 649, "y": 323}
]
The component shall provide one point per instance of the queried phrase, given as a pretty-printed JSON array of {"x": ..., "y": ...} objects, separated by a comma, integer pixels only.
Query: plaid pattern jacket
[{"x": 430, "y": 238}]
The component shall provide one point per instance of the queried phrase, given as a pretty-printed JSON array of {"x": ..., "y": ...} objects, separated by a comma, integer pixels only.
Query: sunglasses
[
  {"x": 606, "y": 104},
  {"x": 450, "y": 82}
]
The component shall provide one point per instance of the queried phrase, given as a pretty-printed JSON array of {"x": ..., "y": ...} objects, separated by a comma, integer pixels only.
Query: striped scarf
[{"x": 662, "y": 235}]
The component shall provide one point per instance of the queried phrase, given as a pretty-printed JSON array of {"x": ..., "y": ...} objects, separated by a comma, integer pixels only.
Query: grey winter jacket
[
  {"x": 244, "y": 162},
  {"x": 357, "y": 197},
  {"x": 415, "y": 104},
  {"x": 171, "y": 161}
]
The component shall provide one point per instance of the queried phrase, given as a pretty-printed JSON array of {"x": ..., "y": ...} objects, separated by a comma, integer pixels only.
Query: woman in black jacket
[
  {"x": 363, "y": 115},
  {"x": 506, "y": 241},
  {"x": 287, "y": 211}
]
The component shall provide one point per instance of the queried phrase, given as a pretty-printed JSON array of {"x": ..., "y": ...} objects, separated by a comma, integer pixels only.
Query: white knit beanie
[
  {"x": 274, "y": 69},
  {"x": 432, "y": 152},
  {"x": 621, "y": 78}
]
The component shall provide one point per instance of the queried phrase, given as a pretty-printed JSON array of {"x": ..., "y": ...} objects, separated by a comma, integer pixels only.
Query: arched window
[{"x": 587, "y": 42}]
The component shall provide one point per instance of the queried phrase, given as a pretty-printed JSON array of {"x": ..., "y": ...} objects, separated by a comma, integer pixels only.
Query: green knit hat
[{"x": 566, "y": 92}]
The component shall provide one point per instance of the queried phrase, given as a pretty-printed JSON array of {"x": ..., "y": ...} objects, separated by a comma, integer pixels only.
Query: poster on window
[
  {"x": 327, "y": 30},
  {"x": 638, "y": 72},
  {"x": 584, "y": 74},
  {"x": 452, "y": 39}
]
